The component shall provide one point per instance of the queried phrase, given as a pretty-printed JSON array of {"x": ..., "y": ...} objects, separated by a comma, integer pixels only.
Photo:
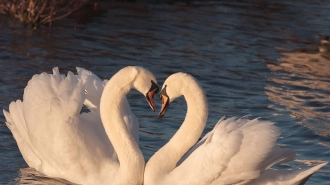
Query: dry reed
[{"x": 37, "y": 12}]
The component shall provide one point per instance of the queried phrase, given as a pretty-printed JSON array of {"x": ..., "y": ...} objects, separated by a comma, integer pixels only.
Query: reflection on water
[
  {"x": 324, "y": 47},
  {"x": 31, "y": 176},
  {"x": 303, "y": 87}
]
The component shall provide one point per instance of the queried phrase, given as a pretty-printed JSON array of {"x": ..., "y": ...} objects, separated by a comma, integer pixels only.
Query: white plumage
[
  {"x": 235, "y": 152},
  {"x": 55, "y": 139}
]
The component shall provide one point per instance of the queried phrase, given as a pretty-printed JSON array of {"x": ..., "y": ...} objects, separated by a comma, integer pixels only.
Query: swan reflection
[
  {"x": 301, "y": 85},
  {"x": 32, "y": 176}
]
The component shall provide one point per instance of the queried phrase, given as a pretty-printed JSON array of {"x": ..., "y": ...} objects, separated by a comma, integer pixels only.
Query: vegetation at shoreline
[{"x": 37, "y": 12}]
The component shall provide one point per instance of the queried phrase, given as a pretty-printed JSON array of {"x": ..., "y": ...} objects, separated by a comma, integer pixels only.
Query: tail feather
[
  {"x": 276, "y": 156},
  {"x": 284, "y": 177},
  {"x": 304, "y": 175}
]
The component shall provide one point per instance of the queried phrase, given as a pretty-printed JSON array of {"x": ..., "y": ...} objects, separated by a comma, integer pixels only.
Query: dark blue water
[{"x": 252, "y": 57}]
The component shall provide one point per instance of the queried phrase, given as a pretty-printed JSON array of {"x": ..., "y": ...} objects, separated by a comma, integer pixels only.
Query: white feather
[
  {"x": 236, "y": 152},
  {"x": 55, "y": 139}
]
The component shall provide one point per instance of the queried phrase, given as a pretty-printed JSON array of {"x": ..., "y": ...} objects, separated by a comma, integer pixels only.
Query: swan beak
[
  {"x": 165, "y": 105},
  {"x": 150, "y": 99}
]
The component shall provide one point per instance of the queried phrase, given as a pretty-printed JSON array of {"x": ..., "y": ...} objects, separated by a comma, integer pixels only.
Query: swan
[
  {"x": 236, "y": 151},
  {"x": 94, "y": 147}
]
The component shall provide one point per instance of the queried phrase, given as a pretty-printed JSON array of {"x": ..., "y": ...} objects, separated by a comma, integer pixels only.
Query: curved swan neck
[
  {"x": 165, "y": 160},
  {"x": 111, "y": 108}
]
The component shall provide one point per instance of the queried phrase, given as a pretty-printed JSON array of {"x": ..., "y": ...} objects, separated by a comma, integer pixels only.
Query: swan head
[
  {"x": 173, "y": 88},
  {"x": 145, "y": 82}
]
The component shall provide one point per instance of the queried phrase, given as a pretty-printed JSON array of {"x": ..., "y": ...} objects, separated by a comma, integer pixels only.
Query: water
[{"x": 251, "y": 57}]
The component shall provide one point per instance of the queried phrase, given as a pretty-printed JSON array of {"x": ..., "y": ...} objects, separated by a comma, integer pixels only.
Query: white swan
[
  {"x": 55, "y": 139},
  {"x": 236, "y": 151}
]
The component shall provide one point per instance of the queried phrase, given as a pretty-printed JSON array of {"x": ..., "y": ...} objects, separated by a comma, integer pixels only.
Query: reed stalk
[{"x": 37, "y": 12}]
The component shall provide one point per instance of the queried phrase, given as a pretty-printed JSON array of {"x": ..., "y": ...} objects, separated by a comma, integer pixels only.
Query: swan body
[
  {"x": 235, "y": 152},
  {"x": 97, "y": 147}
]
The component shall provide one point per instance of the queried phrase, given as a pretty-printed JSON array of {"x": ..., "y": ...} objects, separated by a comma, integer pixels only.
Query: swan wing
[
  {"x": 234, "y": 152},
  {"x": 93, "y": 89},
  {"x": 283, "y": 177},
  {"x": 53, "y": 134},
  {"x": 21, "y": 138},
  {"x": 199, "y": 143}
]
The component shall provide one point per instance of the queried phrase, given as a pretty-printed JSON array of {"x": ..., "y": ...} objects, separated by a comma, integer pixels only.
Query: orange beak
[
  {"x": 165, "y": 105},
  {"x": 150, "y": 98}
]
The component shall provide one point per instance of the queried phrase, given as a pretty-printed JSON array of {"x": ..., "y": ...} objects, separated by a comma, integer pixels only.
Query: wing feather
[
  {"x": 53, "y": 135},
  {"x": 236, "y": 151},
  {"x": 93, "y": 89},
  {"x": 291, "y": 177}
]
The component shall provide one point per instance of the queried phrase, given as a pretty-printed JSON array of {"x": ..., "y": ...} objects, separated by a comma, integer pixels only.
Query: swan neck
[
  {"x": 111, "y": 111},
  {"x": 187, "y": 135}
]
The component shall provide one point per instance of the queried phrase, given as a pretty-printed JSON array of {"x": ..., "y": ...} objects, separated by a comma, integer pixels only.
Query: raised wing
[
  {"x": 93, "y": 89},
  {"x": 16, "y": 123},
  {"x": 48, "y": 127},
  {"x": 236, "y": 151}
]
